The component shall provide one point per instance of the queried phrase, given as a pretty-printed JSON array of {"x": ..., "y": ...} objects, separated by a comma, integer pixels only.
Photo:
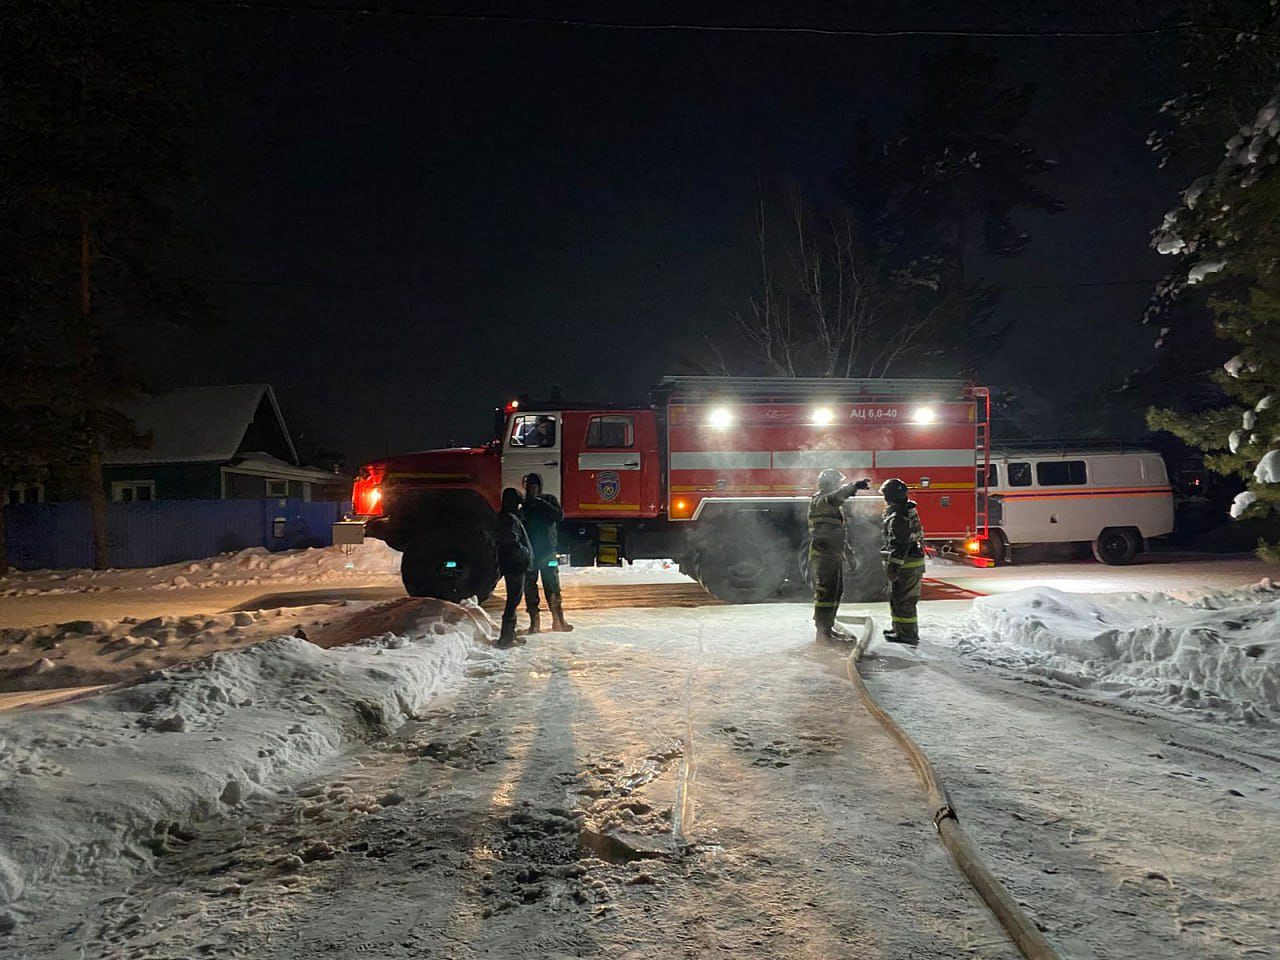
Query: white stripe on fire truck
[
  {"x": 734, "y": 460},
  {"x": 962, "y": 457},
  {"x": 819, "y": 459}
]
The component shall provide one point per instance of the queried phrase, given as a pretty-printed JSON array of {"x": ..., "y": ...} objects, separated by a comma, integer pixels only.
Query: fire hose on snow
[{"x": 1021, "y": 929}]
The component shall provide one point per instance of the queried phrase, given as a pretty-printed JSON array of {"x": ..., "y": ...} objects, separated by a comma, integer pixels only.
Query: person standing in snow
[
  {"x": 515, "y": 554},
  {"x": 826, "y": 549},
  {"x": 542, "y": 515},
  {"x": 903, "y": 554}
]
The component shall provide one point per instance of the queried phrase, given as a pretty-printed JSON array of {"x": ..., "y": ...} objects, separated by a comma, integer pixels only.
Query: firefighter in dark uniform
[
  {"x": 903, "y": 553},
  {"x": 542, "y": 515},
  {"x": 826, "y": 549},
  {"x": 514, "y": 557}
]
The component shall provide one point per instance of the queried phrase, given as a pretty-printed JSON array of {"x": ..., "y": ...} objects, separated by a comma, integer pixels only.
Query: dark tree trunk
[
  {"x": 93, "y": 468},
  {"x": 97, "y": 509},
  {"x": 4, "y": 542}
]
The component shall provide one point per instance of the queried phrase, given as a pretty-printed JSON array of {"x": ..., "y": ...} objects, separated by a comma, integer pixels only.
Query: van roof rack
[{"x": 1064, "y": 446}]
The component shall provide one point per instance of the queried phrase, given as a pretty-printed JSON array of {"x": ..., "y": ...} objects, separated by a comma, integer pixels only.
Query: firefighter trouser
[
  {"x": 904, "y": 594},
  {"x": 514, "y": 580},
  {"x": 549, "y": 568},
  {"x": 826, "y": 567}
]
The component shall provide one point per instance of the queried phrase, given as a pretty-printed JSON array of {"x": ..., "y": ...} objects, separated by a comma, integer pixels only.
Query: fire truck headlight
[
  {"x": 375, "y": 495},
  {"x": 822, "y": 416},
  {"x": 924, "y": 415},
  {"x": 720, "y": 418}
]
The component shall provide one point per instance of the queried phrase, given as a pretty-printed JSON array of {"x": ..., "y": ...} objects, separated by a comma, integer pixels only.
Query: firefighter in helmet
[
  {"x": 903, "y": 553},
  {"x": 826, "y": 548},
  {"x": 542, "y": 515}
]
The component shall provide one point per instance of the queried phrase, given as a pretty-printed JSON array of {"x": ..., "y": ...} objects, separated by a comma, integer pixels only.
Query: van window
[
  {"x": 1115, "y": 471},
  {"x": 1060, "y": 473},
  {"x": 611, "y": 432},
  {"x": 1155, "y": 470},
  {"x": 993, "y": 476},
  {"x": 1019, "y": 474}
]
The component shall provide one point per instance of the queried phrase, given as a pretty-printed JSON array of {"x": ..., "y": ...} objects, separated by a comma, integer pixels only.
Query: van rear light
[{"x": 366, "y": 494}]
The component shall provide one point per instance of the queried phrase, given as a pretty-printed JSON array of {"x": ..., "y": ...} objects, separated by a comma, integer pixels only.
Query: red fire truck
[{"x": 713, "y": 472}]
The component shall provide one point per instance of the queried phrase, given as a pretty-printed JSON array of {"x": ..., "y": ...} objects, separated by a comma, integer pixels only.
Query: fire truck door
[
  {"x": 532, "y": 445},
  {"x": 610, "y": 476}
]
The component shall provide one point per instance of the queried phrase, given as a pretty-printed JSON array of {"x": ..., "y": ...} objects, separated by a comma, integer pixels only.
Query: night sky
[{"x": 409, "y": 219}]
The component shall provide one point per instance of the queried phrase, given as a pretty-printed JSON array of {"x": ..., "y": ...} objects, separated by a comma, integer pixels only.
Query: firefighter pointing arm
[
  {"x": 826, "y": 549},
  {"x": 903, "y": 553}
]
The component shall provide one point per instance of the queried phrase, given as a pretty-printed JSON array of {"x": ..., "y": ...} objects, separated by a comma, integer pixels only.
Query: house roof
[
  {"x": 264, "y": 465},
  {"x": 197, "y": 424}
]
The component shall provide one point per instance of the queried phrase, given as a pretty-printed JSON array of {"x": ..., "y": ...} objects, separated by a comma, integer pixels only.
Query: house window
[
  {"x": 132, "y": 491},
  {"x": 26, "y": 493},
  {"x": 277, "y": 488},
  {"x": 611, "y": 432}
]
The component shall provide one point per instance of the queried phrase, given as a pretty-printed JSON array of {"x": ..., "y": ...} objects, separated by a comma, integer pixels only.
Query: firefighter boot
[
  {"x": 556, "y": 606},
  {"x": 535, "y": 623},
  {"x": 507, "y": 638},
  {"x": 823, "y": 621}
]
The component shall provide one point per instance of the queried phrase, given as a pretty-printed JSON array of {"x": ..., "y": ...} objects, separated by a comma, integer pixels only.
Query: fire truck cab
[{"x": 713, "y": 472}]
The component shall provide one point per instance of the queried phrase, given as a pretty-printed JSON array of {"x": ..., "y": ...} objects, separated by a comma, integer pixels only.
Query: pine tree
[
  {"x": 1230, "y": 239},
  {"x": 90, "y": 137}
]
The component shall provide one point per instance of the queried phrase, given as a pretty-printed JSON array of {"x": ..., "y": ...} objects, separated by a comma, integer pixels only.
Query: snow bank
[
  {"x": 92, "y": 789},
  {"x": 1220, "y": 652},
  {"x": 371, "y": 560},
  {"x": 85, "y": 652}
]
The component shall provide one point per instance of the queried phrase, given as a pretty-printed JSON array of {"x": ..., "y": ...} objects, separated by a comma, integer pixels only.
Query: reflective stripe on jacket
[{"x": 903, "y": 535}]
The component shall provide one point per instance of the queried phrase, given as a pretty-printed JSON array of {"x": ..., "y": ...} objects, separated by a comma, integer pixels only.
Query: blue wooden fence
[{"x": 147, "y": 534}]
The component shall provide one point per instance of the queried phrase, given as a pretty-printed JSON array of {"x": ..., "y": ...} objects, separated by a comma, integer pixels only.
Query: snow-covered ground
[
  {"x": 93, "y": 652},
  {"x": 91, "y": 789},
  {"x": 96, "y": 790},
  {"x": 255, "y": 566},
  {"x": 371, "y": 561}
]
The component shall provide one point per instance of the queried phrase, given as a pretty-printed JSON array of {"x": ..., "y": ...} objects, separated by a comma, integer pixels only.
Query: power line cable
[{"x": 505, "y": 19}]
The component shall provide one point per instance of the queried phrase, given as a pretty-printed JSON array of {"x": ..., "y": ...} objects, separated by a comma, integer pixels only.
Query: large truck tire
[
  {"x": 742, "y": 559},
  {"x": 451, "y": 559}
]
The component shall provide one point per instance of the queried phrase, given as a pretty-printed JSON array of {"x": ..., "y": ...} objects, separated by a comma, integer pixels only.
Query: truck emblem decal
[{"x": 608, "y": 486}]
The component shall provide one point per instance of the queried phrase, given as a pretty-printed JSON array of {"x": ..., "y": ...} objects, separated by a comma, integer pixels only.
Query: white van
[{"x": 1115, "y": 499}]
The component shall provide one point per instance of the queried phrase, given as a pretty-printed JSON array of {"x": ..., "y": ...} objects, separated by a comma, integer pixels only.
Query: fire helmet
[
  {"x": 894, "y": 490},
  {"x": 830, "y": 480}
]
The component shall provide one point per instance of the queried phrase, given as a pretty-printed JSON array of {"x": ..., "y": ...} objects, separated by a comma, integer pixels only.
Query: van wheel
[
  {"x": 996, "y": 547},
  {"x": 1116, "y": 546}
]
